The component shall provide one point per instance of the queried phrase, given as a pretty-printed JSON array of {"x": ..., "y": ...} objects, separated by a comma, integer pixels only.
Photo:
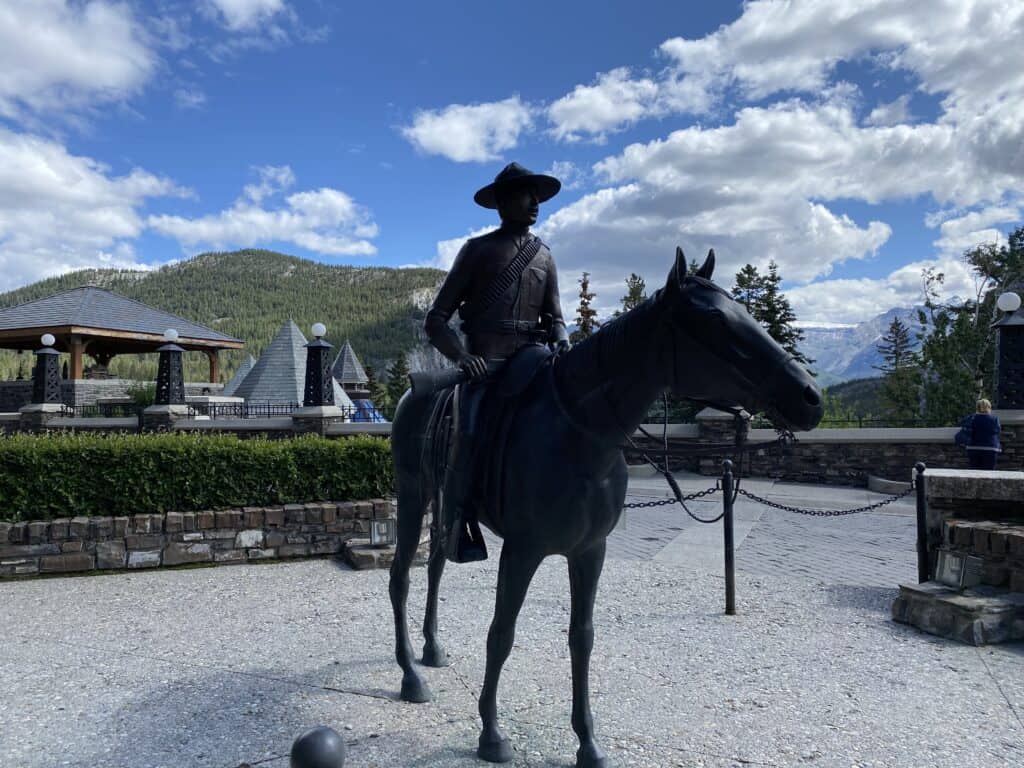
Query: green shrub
[
  {"x": 142, "y": 393},
  {"x": 62, "y": 475}
]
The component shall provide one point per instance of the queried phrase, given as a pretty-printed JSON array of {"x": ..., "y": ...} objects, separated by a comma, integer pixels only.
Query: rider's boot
[{"x": 463, "y": 542}]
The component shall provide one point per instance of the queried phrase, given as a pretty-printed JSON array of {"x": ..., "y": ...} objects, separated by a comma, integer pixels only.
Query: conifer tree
[
  {"x": 378, "y": 391},
  {"x": 398, "y": 382},
  {"x": 767, "y": 304},
  {"x": 901, "y": 381},
  {"x": 636, "y": 294},
  {"x": 586, "y": 315}
]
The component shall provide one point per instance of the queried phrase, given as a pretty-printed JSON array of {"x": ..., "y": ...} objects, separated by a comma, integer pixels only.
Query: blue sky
[{"x": 852, "y": 142}]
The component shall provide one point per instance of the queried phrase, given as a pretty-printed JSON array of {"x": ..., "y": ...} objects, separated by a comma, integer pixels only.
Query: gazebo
[{"x": 96, "y": 322}]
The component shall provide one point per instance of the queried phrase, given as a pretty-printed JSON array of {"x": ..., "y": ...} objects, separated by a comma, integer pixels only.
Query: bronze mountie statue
[
  {"x": 560, "y": 483},
  {"x": 505, "y": 288}
]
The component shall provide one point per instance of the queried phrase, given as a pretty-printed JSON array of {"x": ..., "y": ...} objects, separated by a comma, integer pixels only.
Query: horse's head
[{"x": 721, "y": 354}]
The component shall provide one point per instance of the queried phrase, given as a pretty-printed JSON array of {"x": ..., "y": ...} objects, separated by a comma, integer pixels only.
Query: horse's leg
[
  {"x": 584, "y": 572},
  {"x": 410, "y": 520},
  {"x": 433, "y": 652},
  {"x": 514, "y": 574}
]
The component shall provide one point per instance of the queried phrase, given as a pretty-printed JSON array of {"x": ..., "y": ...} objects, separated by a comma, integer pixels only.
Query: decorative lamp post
[
  {"x": 46, "y": 375},
  {"x": 319, "y": 390},
  {"x": 1009, "y": 353},
  {"x": 170, "y": 376}
]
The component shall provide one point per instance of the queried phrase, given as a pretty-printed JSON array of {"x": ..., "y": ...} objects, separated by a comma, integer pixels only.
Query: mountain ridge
[{"x": 250, "y": 293}]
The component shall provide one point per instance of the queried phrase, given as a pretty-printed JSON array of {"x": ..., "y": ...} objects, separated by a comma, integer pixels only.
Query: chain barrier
[
  {"x": 682, "y": 499},
  {"x": 823, "y": 512}
]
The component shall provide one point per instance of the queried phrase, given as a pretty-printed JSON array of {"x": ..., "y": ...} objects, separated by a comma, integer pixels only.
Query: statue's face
[{"x": 519, "y": 205}]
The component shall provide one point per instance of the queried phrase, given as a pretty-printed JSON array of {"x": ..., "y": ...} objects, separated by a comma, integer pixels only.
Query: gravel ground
[{"x": 225, "y": 666}]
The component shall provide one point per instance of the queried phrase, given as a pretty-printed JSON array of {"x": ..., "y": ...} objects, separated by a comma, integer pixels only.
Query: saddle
[{"x": 505, "y": 391}]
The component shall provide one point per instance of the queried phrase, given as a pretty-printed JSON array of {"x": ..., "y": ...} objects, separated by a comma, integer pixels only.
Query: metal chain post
[{"x": 728, "y": 497}]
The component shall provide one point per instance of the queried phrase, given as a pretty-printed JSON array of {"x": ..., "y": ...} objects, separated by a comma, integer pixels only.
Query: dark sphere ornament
[{"x": 321, "y": 747}]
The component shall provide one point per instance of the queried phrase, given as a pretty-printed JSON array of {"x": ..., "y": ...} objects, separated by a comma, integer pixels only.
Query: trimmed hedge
[{"x": 65, "y": 474}]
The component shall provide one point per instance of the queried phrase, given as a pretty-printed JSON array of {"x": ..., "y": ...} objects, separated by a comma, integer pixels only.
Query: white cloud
[
  {"x": 470, "y": 133},
  {"x": 570, "y": 174},
  {"x": 60, "y": 211},
  {"x": 612, "y": 103},
  {"x": 189, "y": 98},
  {"x": 246, "y": 14},
  {"x": 447, "y": 250},
  {"x": 325, "y": 221},
  {"x": 962, "y": 232},
  {"x": 57, "y": 55},
  {"x": 854, "y": 300},
  {"x": 891, "y": 113},
  {"x": 273, "y": 179}
]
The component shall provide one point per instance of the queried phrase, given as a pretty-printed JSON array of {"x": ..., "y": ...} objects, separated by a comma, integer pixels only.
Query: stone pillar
[
  {"x": 35, "y": 417},
  {"x": 315, "y": 419},
  {"x": 318, "y": 409},
  {"x": 161, "y": 417},
  {"x": 720, "y": 428},
  {"x": 170, "y": 377}
]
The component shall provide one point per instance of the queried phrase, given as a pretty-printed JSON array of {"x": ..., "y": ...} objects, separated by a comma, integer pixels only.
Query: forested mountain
[{"x": 249, "y": 294}]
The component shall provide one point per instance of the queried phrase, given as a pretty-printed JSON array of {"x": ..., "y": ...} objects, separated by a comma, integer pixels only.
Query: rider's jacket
[{"x": 515, "y": 319}]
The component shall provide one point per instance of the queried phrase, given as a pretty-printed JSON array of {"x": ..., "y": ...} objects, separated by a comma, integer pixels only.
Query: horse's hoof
[
  {"x": 434, "y": 656},
  {"x": 495, "y": 750},
  {"x": 415, "y": 691},
  {"x": 591, "y": 756}
]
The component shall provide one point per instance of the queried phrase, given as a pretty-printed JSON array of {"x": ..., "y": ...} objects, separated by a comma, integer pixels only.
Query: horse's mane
[{"x": 615, "y": 344}]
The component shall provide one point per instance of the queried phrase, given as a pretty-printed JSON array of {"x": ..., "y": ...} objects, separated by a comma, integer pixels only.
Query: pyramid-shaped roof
[
  {"x": 92, "y": 307},
  {"x": 347, "y": 368},
  {"x": 279, "y": 376},
  {"x": 240, "y": 374}
]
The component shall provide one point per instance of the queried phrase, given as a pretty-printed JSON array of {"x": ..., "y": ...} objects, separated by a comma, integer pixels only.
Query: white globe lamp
[
  {"x": 48, "y": 340},
  {"x": 170, "y": 335},
  {"x": 319, "y": 330},
  {"x": 1008, "y": 302}
]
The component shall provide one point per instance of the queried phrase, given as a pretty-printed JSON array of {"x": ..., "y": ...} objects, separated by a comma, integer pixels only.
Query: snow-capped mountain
[{"x": 843, "y": 352}]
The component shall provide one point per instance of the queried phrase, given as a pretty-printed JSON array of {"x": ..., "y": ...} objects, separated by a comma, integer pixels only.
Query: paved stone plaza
[{"x": 222, "y": 667}]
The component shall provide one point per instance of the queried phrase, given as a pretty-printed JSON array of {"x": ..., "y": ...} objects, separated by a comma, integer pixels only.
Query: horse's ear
[
  {"x": 678, "y": 273},
  {"x": 708, "y": 267}
]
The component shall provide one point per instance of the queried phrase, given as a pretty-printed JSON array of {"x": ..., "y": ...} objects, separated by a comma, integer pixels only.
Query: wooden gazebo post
[
  {"x": 76, "y": 348},
  {"x": 213, "y": 356}
]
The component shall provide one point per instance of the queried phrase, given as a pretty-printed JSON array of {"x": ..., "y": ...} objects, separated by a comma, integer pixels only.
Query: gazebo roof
[
  {"x": 92, "y": 311},
  {"x": 347, "y": 369}
]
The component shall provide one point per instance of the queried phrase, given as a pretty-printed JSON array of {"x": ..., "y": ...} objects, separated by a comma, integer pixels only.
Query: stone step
[{"x": 982, "y": 615}]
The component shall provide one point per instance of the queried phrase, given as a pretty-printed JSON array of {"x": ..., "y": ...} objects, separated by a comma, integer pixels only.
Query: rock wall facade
[{"x": 215, "y": 537}]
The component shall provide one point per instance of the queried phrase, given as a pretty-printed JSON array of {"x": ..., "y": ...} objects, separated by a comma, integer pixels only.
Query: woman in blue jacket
[{"x": 982, "y": 429}]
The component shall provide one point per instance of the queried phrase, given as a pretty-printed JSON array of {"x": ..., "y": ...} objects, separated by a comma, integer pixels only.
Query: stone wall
[
  {"x": 831, "y": 456},
  {"x": 248, "y": 534}
]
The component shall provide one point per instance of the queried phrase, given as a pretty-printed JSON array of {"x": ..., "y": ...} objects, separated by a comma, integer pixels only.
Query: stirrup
[{"x": 465, "y": 544}]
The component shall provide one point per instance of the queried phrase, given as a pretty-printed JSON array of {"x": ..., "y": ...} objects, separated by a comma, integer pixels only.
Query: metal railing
[
  {"x": 352, "y": 413},
  {"x": 241, "y": 410},
  {"x": 103, "y": 411}
]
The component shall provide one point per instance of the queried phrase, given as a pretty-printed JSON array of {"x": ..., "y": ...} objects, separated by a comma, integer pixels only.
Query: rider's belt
[{"x": 503, "y": 327}]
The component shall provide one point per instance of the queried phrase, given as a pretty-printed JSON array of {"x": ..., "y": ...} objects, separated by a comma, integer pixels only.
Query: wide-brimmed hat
[{"x": 514, "y": 174}]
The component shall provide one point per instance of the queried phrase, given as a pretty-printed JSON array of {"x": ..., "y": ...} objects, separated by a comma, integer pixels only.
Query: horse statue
[{"x": 562, "y": 484}]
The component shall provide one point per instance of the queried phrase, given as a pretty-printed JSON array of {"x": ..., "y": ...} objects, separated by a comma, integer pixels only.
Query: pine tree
[
  {"x": 378, "y": 391},
  {"x": 749, "y": 288},
  {"x": 767, "y": 304},
  {"x": 901, "y": 382},
  {"x": 957, "y": 351},
  {"x": 398, "y": 382},
  {"x": 586, "y": 315},
  {"x": 636, "y": 294}
]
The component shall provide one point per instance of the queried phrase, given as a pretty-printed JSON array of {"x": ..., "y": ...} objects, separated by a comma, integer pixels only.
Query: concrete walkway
[{"x": 225, "y": 666}]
